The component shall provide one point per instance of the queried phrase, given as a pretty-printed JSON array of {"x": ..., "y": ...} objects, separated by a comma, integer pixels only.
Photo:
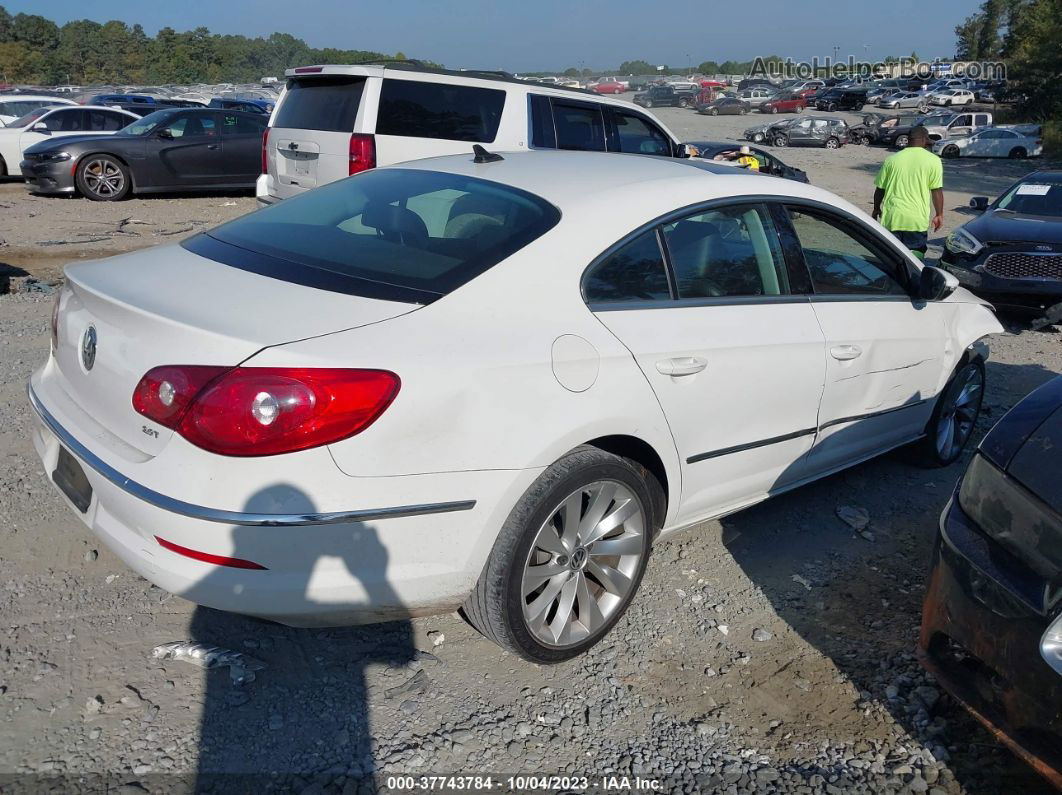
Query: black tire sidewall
[
  {"x": 79, "y": 179},
  {"x": 534, "y": 508}
]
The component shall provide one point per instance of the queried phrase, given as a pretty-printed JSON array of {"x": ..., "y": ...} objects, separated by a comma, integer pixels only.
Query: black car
[
  {"x": 992, "y": 617},
  {"x": 769, "y": 164},
  {"x": 666, "y": 96},
  {"x": 874, "y": 126},
  {"x": 725, "y": 106},
  {"x": 898, "y": 134},
  {"x": 841, "y": 99},
  {"x": 169, "y": 150},
  {"x": 1012, "y": 254}
]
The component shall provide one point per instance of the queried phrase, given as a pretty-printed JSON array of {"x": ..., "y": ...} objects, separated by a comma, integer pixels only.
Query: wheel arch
[{"x": 643, "y": 453}]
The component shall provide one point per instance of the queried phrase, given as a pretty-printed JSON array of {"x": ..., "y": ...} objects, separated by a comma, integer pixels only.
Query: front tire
[
  {"x": 1018, "y": 153},
  {"x": 684, "y": 103},
  {"x": 3, "y": 168},
  {"x": 781, "y": 141},
  {"x": 954, "y": 416},
  {"x": 951, "y": 150},
  {"x": 715, "y": 111},
  {"x": 569, "y": 559},
  {"x": 774, "y": 109},
  {"x": 648, "y": 103},
  {"x": 901, "y": 141},
  {"x": 103, "y": 178}
]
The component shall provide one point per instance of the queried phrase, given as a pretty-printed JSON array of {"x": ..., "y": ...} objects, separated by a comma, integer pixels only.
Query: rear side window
[
  {"x": 579, "y": 127},
  {"x": 634, "y": 272},
  {"x": 439, "y": 110},
  {"x": 106, "y": 121},
  {"x": 321, "y": 103},
  {"x": 238, "y": 124},
  {"x": 406, "y": 235},
  {"x": 732, "y": 251}
]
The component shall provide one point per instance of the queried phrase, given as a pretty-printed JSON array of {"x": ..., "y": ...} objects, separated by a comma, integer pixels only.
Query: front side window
[
  {"x": 65, "y": 121},
  {"x": 638, "y": 136},
  {"x": 634, "y": 272},
  {"x": 420, "y": 233},
  {"x": 840, "y": 261},
  {"x": 731, "y": 251},
  {"x": 579, "y": 127},
  {"x": 439, "y": 110},
  {"x": 191, "y": 126}
]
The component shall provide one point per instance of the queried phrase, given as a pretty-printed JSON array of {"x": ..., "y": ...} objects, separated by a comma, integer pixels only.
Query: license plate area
[{"x": 69, "y": 476}]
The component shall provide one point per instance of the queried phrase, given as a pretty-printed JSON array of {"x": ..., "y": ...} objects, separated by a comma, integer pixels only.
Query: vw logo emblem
[{"x": 88, "y": 348}]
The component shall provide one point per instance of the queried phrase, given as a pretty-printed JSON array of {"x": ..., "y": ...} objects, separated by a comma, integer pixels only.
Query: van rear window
[
  {"x": 321, "y": 103},
  {"x": 420, "y": 109},
  {"x": 396, "y": 234}
]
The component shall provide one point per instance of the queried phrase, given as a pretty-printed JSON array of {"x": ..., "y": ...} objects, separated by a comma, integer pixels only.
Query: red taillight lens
[
  {"x": 362, "y": 153},
  {"x": 255, "y": 411},
  {"x": 55, "y": 321},
  {"x": 165, "y": 393},
  {"x": 265, "y": 151}
]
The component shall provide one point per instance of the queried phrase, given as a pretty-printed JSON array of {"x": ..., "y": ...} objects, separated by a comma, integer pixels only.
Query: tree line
[
  {"x": 1027, "y": 36},
  {"x": 36, "y": 50}
]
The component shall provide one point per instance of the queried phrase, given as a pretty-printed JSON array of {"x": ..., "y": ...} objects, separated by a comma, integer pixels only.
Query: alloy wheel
[
  {"x": 959, "y": 412},
  {"x": 104, "y": 178},
  {"x": 583, "y": 563}
]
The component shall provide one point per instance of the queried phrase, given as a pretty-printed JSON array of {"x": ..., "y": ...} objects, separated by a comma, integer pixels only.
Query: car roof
[
  {"x": 37, "y": 98},
  {"x": 632, "y": 184}
]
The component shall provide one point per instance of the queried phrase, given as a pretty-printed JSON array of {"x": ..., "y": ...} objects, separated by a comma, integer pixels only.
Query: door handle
[
  {"x": 212, "y": 146},
  {"x": 681, "y": 365},
  {"x": 846, "y": 352}
]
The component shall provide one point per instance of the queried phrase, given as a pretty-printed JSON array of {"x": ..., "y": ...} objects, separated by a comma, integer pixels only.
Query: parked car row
[{"x": 827, "y": 132}]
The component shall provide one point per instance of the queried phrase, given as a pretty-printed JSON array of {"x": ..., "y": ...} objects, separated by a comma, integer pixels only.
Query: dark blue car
[
  {"x": 992, "y": 618},
  {"x": 246, "y": 105}
]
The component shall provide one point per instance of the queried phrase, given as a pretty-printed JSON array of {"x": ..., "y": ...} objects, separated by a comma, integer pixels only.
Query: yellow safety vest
[{"x": 750, "y": 161}]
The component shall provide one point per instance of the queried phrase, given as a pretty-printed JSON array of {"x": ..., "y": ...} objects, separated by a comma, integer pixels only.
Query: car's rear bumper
[
  {"x": 981, "y": 641},
  {"x": 408, "y": 545},
  {"x": 48, "y": 177}
]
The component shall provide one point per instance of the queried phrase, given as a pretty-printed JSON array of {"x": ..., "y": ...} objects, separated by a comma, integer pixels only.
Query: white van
[{"x": 334, "y": 121}]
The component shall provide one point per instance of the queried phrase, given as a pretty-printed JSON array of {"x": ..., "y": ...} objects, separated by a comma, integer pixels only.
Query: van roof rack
[{"x": 413, "y": 65}]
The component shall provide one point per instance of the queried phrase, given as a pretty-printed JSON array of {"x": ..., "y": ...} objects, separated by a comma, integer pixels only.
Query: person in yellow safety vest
[{"x": 748, "y": 160}]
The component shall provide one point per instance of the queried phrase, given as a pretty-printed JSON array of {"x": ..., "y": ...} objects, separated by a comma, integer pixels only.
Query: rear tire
[
  {"x": 832, "y": 143},
  {"x": 684, "y": 103},
  {"x": 1018, "y": 153},
  {"x": 3, "y": 168},
  {"x": 774, "y": 109},
  {"x": 954, "y": 416},
  {"x": 545, "y": 594},
  {"x": 648, "y": 103},
  {"x": 798, "y": 109},
  {"x": 103, "y": 178},
  {"x": 715, "y": 111}
]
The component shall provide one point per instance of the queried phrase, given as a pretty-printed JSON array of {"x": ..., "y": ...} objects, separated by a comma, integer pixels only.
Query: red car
[
  {"x": 608, "y": 85},
  {"x": 712, "y": 84},
  {"x": 705, "y": 95},
  {"x": 785, "y": 103}
]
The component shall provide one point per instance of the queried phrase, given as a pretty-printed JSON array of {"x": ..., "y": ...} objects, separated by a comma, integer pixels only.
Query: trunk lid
[{"x": 170, "y": 306}]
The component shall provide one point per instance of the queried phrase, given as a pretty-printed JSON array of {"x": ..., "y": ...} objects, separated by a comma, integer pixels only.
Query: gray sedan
[{"x": 905, "y": 99}]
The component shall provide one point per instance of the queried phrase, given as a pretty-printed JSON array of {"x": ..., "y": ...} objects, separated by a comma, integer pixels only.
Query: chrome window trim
[{"x": 172, "y": 505}]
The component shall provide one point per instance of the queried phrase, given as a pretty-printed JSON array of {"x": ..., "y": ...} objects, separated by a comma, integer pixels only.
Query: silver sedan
[{"x": 906, "y": 99}]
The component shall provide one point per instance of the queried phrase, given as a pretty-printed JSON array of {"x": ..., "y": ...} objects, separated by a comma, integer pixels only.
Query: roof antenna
[{"x": 483, "y": 156}]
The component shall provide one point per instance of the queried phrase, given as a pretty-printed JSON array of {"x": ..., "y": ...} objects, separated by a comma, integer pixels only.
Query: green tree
[
  {"x": 5, "y": 25},
  {"x": 708, "y": 68},
  {"x": 636, "y": 68}
]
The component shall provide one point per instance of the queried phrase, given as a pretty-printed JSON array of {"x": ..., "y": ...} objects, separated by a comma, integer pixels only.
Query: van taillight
[
  {"x": 362, "y": 153},
  {"x": 265, "y": 151}
]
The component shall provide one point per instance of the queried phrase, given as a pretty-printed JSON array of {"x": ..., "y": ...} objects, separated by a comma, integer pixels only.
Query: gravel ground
[{"x": 770, "y": 651}]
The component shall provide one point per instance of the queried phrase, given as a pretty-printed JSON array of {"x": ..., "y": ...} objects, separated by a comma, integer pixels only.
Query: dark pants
[{"x": 918, "y": 242}]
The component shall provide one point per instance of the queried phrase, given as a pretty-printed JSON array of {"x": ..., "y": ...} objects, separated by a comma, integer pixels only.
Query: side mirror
[
  {"x": 936, "y": 284},
  {"x": 41, "y": 127},
  {"x": 165, "y": 134},
  {"x": 979, "y": 203},
  {"x": 686, "y": 150}
]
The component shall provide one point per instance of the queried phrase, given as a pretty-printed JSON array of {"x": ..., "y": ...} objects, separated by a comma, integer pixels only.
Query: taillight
[
  {"x": 55, "y": 321},
  {"x": 362, "y": 153},
  {"x": 265, "y": 151},
  {"x": 255, "y": 411}
]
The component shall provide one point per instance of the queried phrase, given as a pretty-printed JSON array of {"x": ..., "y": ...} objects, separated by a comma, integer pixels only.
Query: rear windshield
[
  {"x": 439, "y": 110},
  {"x": 321, "y": 103},
  {"x": 397, "y": 234}
]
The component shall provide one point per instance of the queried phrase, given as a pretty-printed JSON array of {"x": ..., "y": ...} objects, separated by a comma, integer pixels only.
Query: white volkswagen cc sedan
[{"x": 490, "y": 385}]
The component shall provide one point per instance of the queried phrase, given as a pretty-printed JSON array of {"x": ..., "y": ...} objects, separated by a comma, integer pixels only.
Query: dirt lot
[{"x": 830, "y": 701}]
